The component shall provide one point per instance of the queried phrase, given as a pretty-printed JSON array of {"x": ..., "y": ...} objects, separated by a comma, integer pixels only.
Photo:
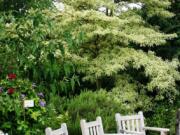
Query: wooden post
[{"x": 178, "y": 122}]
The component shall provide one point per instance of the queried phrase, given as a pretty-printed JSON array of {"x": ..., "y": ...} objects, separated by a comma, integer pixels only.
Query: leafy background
[{"x": 86, "y": 62}]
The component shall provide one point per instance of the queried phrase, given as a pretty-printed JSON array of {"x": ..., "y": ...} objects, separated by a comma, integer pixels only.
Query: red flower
[
  {"x": 10, "y": 91},
  {"x": 11, "y": 76}
]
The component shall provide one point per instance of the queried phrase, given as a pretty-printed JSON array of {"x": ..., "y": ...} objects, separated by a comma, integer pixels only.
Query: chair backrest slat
[
  {"x": 137, "y": 125},
  {"x": 61, "y": 131},
  {"x": 131, "y": 123},
  {"x": 129, "y": 117},
  {"x": 92, "y": 123},
  {"x": 141, "y": 121},
  {"x": 92, "y": 128},
  {"x": 123, "y": 125},
  {"x": 94, "y": 131},
  {"x": 128, "y": 125}
]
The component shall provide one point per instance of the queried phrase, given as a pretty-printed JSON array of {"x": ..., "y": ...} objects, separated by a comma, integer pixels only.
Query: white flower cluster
[
  {"x": 57, "y": 53},
  {"x": 59, "y": 5},
  {"x": 31, "y": 57}
]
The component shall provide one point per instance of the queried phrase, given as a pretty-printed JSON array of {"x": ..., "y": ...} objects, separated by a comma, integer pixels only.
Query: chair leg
[{"x": 163, "y": 133}]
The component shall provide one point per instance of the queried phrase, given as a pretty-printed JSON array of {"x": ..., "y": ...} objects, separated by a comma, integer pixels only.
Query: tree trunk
[{"x": 98, "y": 84}]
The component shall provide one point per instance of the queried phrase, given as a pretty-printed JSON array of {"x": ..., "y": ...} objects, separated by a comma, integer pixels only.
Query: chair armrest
[
  {"x": 117, "y": 134},
  {"x": 133, "y": 132},
  {"x": 157, "y": 129},
  {"x": 114, "y": 134}
]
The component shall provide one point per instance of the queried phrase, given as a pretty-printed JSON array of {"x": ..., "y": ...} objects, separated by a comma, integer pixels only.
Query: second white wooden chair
[
  {"x": 61, "y": 131},
  {"x": 93, "y": 127},
  {"x": 134, "y": 124}
]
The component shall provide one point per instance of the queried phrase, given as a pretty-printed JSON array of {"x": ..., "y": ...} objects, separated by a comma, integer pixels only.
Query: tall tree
[{"x": 120, "y": 45}]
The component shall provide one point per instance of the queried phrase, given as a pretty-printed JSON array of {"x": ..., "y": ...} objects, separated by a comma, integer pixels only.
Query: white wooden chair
[
  {"x": 93, "y": 127},
  {"x": 134, "y": 124},
  {"x": 61, "y": 131},
  {"x": 2, "y": 133}
]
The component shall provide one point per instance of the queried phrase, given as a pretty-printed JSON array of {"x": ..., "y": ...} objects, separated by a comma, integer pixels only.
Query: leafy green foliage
[
  {"x": 15, "y": 118},
  {"x": 79, "y": 48},
  {"x": 32, "y": 44},
  {"x": 111, "y": 46},
  {"x": 121, "y": 49},
  {"x": 89, "y": 105},
  {"x": 20, "y": 6},
  {"x": 28, "y": 121}
]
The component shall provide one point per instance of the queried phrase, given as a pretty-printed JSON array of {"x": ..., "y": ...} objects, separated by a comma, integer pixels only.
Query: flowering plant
[
  {"x": 13, "y": 92},
  {"x": 11, "y": 76}
]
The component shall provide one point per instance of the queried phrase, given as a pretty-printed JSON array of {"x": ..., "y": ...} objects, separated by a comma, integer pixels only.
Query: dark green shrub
[{"x": 88, "y": 105}]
